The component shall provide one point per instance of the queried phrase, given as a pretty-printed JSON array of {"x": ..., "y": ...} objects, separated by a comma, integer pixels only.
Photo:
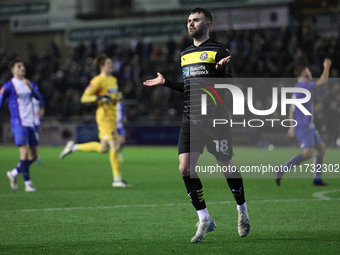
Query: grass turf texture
[{"x": 76, "y": 211}]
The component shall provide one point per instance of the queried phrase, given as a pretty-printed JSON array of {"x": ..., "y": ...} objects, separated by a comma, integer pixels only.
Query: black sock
[
  {"x": 195, "y": 192},
  {"x": 235, "y": 183}
]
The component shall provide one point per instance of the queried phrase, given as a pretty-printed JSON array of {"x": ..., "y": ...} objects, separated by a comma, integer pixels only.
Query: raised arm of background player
[
  {"x": 321, "y": 81},
  {"x": 160, "y": 80}
]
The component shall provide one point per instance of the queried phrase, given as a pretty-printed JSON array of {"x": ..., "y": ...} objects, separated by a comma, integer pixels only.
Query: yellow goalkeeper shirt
[{"x": 102, "y": 85}]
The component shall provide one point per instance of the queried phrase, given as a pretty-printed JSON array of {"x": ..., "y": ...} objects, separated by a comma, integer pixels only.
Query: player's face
[
  {"x": 197, "y": 25},
  {"x": 19, "y": 70},
  {"x": 108, "y": 66},
  {"x": 307, "y": 73}
]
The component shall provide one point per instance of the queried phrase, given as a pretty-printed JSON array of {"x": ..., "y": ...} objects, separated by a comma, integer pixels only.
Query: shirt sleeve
[
  {"x": 307, "y": 85},
  {"x": 37, "y": 95},
  {"x": 179, "y": 86},
  {"x": 312, "y": 85},
  {"x": 223, "y": 52},
  {"x": 4, "y": 94},
  {"x": 42, "y": 102},
  {"x": 93, "y": 87},
  {"x": 90, "y": 93}
]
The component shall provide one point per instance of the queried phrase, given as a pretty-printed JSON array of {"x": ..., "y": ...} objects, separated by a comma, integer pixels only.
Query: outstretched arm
[
  {"x": 90, "y": 94},
  {"x": 324, "y": 76},
  {"x": 88, "y": 98},
  {"x": 159, "y": 80}
]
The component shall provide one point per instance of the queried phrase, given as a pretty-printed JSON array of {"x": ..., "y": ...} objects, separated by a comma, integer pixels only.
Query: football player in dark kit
[{"x": 204, "y": 59}]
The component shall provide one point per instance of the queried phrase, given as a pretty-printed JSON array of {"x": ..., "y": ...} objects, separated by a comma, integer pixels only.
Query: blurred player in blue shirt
[
  {"x": 309, "y": 138},
  {"x": 20, "y": 92}
]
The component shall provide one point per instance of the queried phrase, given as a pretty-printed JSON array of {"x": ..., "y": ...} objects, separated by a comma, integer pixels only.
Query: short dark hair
[
  {"x": 206, "y": 13},
  {"x": 99, "y": 61},
  {"x": 13, "y": 62},
  {"x": 299, "y": 69}
]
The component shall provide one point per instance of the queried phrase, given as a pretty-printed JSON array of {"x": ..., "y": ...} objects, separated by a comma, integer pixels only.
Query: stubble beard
[{"x": 195, "y": 33}]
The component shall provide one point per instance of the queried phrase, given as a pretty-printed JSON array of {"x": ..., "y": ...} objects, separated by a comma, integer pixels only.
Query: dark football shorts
[{"x": 217, "y": 139}]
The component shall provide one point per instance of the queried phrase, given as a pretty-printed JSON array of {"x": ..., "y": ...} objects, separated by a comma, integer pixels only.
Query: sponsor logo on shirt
[
  {"x": 185, "y": 72},
  {"x": 112, "y": 91},
  {"x": 24, "y": 96},
  {"x": 195, "y": 71}
]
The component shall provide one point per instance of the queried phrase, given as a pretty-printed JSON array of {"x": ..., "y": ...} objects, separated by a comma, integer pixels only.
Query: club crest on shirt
[{"x": 204, "y": 56}]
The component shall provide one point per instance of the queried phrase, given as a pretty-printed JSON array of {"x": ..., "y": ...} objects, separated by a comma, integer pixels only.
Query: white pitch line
[
  {"x": 162, "y": 205},
  {"x": 321, "y": 194}
]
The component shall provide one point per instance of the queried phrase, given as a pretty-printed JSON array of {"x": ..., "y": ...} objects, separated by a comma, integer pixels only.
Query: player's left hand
[
  {"x": 220, "y": 64},
  {"x": 28, "y": 83}
]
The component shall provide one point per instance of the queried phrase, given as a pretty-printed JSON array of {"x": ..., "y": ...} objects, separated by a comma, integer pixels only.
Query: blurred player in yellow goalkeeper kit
[{"x": 103, "y": 89}]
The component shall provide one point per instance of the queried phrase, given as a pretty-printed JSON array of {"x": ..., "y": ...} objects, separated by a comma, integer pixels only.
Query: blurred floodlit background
[{"x": 58, "y": 40}]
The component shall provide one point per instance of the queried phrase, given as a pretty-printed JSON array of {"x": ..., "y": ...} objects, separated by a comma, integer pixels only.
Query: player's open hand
[
  {"x": 159, "y": 80},
  {"x": 327, "y": 63},
  {"x": 28, "y": 83},
  {"x": 220, "y": 64}
]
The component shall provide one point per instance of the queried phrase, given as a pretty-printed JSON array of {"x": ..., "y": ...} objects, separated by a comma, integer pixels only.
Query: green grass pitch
[{"x": 76, "y": 211}]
